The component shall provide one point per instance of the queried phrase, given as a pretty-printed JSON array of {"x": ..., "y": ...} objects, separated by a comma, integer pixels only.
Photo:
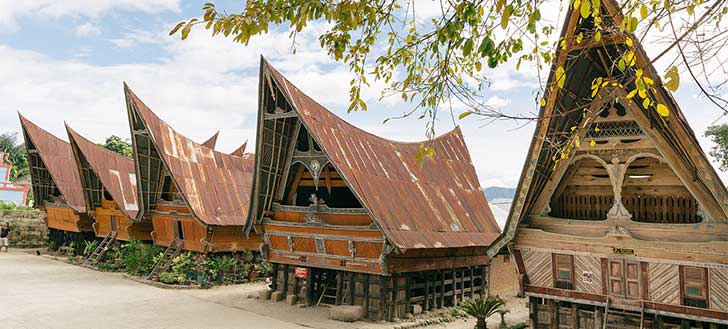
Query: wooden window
[
  {"x": 694, "y": 286},
  {"x": 624, "y": 278},
  {"x": 506, "y": 258},
  {"x": 563, "y": 271}
]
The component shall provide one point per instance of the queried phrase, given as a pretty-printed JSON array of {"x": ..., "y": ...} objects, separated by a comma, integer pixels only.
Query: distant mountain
[{"x": 496, "y": 192}]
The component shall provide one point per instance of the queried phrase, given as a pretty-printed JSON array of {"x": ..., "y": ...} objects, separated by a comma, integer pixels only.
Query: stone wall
[
  {"x": 503, "y": 277},
  {"x": 28, "y": 230}
]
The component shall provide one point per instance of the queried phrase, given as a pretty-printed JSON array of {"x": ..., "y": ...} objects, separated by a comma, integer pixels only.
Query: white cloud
[
  {"x": 11, "y": 11},
  {"x": 86, "y": 29}
]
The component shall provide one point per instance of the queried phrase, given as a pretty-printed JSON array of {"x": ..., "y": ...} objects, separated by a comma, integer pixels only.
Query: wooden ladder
[
  {"x": 165, "y": 261},
  {"x": 100, "y": 250}
]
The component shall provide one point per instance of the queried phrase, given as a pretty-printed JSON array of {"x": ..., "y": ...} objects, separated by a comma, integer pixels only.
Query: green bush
[
  {"x": 138, "y": 258},
  {"x": 171, "y": 278},
  {"x": 89, "y": 247},
  {"x": 11, "y": 206}
]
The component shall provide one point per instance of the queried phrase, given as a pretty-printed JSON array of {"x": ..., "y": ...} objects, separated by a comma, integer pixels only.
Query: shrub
[
  {"x": 89, "y": 247},
  {"x": 138, "y": 258},
  {"x": 482, "y": 308}
]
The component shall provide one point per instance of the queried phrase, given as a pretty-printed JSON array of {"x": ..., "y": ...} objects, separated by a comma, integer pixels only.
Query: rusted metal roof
[
  {"x": 57, "y": 158},
  {"x": 116, "y": 172},
  {"x": 210, "y": 143},
  {"x": 240, "y": 151},
  {"x": 438, "y": 205},
  {"x": 216, "y": 186}
]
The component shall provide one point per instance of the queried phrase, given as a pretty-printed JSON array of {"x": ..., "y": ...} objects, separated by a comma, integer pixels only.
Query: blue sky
[{"x": 66, "y": 60}]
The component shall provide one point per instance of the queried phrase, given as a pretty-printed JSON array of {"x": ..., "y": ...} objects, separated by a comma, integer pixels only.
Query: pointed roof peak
[{"x": 212, "y": 141}]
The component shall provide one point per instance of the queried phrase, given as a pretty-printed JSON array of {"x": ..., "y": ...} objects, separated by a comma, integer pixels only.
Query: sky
[{"x": 67, "y": 61}]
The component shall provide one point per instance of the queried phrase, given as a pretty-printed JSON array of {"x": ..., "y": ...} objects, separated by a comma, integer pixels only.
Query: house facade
[
  {"x": 619, "y": 220},
  {"x": 351, "y": 218}
]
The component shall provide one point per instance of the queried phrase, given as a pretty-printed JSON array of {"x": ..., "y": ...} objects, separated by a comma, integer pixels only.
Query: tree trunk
[{"x": 481, "y": 323}]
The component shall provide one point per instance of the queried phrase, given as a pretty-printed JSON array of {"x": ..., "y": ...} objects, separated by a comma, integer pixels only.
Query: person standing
[{"x": 4, "y": 232}]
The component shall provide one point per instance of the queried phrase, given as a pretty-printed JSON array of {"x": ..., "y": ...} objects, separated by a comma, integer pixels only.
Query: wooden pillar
[
  {"x": 442, "y": 288},
  {"x": 659, "y": 322},
  {"x": 427, "y": 291},
  {"x": 394, "y": 310},
  {"x": 382, "y": 296},
  {"x": 462, "y": 285},
  {"x": 454, "y": 287},
  {"x": 352, "y": 287},
  {"x": 598, "y": 318},
  {"x": 274, "y": 283},
  {"x": 309, "y": 287},
  {"x": 554, "y": 305},
  {"x": 339, "y": 286},
  {"x": 533, "y": 312},
  {"x": 574, "y": 317},
  {"x": 407, "y": 292},
  {"x": 484, "y": 280},
  {"x": 285, "y": 287},
  {"x": 684, "y": 324},
  {"x": 472, "y": 283},
  {"x": 366, "y": 295}
]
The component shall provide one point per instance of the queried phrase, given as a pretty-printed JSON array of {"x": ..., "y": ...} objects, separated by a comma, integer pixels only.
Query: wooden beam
[
  {"x": 366, "y": 295},
  {"x": 295, "y": 183}
]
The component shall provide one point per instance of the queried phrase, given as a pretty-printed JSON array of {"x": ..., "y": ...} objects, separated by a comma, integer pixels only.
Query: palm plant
[{"x": 482, "y": 308}]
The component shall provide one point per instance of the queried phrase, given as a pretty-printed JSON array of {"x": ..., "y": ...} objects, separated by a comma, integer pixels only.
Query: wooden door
[
  {"x": 624, "y": 278},
  {"x": 632, "y": 280},
  {"x": 616, "y": 277}
]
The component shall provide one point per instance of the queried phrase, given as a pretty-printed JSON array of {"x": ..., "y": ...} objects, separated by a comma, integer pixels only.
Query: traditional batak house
[
  {"x": 196, "y": 198},
  {"x": 351, "y": 218},
  {"x": 56, "y": 184},
  {"x": 627, "y": 227},
  {"x": 109, "y": 188}
]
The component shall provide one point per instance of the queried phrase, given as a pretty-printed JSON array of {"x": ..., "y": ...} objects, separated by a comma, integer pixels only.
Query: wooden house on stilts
[
  {"x": 109, "y": 188},
  {"x": 56, "y": 185},
  {"x": 351, "y": 218},
  {"x": 196, "y": 198},
  {"x": 620, "y": 221}
]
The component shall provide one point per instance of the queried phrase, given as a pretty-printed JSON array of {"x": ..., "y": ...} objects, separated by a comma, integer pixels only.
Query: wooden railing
[
  {"x": 672, "y": 209},
  {"x": 582, "y": 206}
]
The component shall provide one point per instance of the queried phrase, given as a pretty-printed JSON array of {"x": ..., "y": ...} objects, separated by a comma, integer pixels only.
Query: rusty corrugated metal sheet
[
  {"x": 215, "y": 185},
  {"x": 240, "y": 151},
  {"x": 58, "y": 158},
  {"x": 116, "y": 172},
  {"x": 440, "y": 205},
  {"x": 210, "y": 143}
]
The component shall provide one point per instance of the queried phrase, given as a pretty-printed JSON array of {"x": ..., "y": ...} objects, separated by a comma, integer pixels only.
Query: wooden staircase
[
  {"x": 100, "y": 250},
  {"x": 164, "y": 262}
]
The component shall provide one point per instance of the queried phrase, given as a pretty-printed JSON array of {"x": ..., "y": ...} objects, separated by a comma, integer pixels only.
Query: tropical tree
[
  {"x": 482, "y": 308},
  {"x": 436, "y": 60},
  {"x": 118, "y": 145},
  {"x": 719, "y": 135},
  {"x": 16, "y": 155}
]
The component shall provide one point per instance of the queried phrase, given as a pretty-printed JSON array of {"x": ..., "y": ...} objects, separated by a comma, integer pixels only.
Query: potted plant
[{"x": 482, "y": 308}]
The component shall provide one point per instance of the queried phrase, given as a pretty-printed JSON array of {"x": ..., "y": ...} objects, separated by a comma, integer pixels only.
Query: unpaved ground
[{"x": 38, "y": 292}]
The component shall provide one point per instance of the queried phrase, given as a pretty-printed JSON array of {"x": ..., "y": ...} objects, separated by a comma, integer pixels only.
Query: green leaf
[
  {"x": 478, "y": 66},
  {"x": 673, "y": 79},
  {"x": 468, "y": 47},
  {"x": 177, "y": 27},
  {"x": 585, "y": 9},
  {"x": 560, "y": 76},
  {"x": 464, "y": 115},
  {"x": 598, "y": 36},
  {"x": 186, "y": 31},
  {"x": 506, "y": 16},
  {"x": 643, "y": 11},
  {"x": 662, "y": 110}
]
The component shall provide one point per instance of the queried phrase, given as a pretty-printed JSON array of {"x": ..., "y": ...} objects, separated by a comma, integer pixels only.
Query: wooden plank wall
[
  {"x": 538, "y": 267},
  {"x": 664, "y": 283},
  {"x": 718, "y": 289},
  {"x": 62, "y": 218},
  {"x": 588, "y": 264}
]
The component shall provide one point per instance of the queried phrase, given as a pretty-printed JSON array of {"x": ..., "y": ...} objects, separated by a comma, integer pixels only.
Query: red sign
[{"x": 301, "y": 273}]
